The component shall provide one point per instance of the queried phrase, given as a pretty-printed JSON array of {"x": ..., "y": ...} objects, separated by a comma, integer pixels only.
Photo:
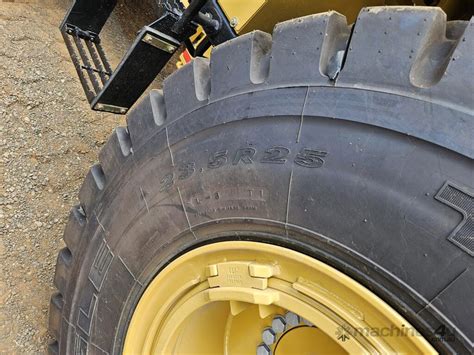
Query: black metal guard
[
  {"x": 89, "y": 15},
  {"x": 116, "y": 91}
]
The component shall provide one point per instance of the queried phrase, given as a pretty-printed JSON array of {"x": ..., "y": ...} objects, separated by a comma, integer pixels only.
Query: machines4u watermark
[{"x": 345, "y": 332}]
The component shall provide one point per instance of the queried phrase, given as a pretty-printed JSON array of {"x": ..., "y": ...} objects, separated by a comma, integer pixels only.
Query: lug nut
[
  {"x": 263, "y": 349},
  {"x": 268, "y": 336},
  {"x": 292, "y": 319},
  {"x": 279, "y": 324}
]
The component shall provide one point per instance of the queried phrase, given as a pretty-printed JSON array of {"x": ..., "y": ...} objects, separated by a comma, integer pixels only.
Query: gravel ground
[{"x": 48, "y": 139}]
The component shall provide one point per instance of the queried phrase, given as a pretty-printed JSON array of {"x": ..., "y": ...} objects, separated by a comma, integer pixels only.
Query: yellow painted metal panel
[{"x": 240, "y": 12}]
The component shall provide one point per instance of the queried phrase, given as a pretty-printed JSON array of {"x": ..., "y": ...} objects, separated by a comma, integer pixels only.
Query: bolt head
[
  {"x": 268, "y": 336},
  {"x": 234, "y": 21},
  {"x": 279, "y": 324},
  {"x": 263, "y": 349},
  {"x": 292, "y": 319}
]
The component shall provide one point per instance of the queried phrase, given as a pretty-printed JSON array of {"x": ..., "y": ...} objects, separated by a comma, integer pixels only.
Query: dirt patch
[{"x": 48, "y": 140}]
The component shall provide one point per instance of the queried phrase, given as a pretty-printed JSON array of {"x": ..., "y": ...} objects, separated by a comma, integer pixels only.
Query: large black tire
[{"x": 371, "y": 173}]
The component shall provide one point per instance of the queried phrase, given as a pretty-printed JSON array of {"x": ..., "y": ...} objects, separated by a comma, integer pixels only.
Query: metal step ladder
[
  {"x": 117, "y": 90},
  {"x": 89, "y": 59}
]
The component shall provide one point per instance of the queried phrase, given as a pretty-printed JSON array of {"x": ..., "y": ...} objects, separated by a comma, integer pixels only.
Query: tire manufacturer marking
[
  {"x": 462, "y": 201},
  {"x": 80, "y": 345},
  {"x": 84, "y": 319},
  {"x": 101, "y": 265},
  {"x": 97, "y": 273}
]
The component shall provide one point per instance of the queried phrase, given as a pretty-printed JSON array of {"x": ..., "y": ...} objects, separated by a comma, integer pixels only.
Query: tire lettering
[
  {"x": 80, "y": 345},
  {"x": 217, "y": 159},
  {"x": 275, "y": 155},
  {"x": 244, "y": 155},
  {"x": 186, "y": 171},
  {"x": 101, "y": 265},
  {"x": 310, "y": 158},
  {"x": 85, "y": 317}
]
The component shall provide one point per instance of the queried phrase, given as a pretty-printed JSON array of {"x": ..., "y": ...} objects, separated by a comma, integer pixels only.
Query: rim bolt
[
  {"x": 234, "y": 21},
  {"x": 268, "y": 336},
  {"x": 292, "y": 319},
  {"x": 279, "y": 324},
  {"x": 263, "y": 349}
]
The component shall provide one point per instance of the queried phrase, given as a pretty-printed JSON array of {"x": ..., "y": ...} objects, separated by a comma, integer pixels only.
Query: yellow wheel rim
[{"x": 248, "y": 297}]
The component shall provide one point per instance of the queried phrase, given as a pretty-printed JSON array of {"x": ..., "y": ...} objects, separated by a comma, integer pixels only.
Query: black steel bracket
[{"x": 116, "y": 91}]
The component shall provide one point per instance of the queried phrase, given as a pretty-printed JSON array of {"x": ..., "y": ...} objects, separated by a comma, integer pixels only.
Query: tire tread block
[
  {"x": 63, "y": 270},
  {"x": 93, "y": 184},
  {"x": 187, "y": 89},
  {"x": 386, "y": 42},
  {"x": 240, "y": 64},
  {"x": 304, "y": 48},
  {"x": 458, "y": 77},
  {"x": 74, "y": 228},
  {"x": 115, "y": 151},
  {"x": 55, "y": 314}
]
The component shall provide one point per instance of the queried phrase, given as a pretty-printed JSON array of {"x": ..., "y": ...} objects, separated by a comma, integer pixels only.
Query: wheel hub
[{"x": 247, "y": 297}]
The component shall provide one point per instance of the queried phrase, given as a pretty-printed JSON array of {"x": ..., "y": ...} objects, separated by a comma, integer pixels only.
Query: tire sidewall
[{"x": 357, "y": 197}]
